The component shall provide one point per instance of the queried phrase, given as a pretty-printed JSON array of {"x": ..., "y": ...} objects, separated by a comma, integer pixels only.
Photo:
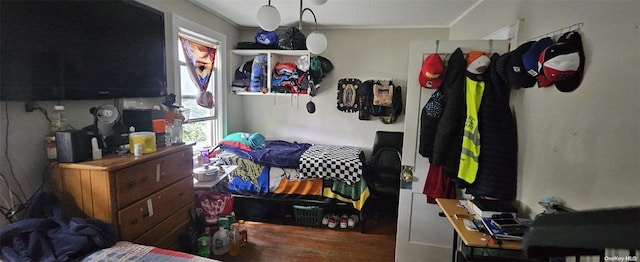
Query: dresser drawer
[
  {"x": 136, "y": 182},
  {"x": 145, "y": 214},
  {"x": 159, "y": 233}
]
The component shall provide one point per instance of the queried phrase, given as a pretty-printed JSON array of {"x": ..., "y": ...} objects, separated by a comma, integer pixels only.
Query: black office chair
[{"x": 384, "y": 171}]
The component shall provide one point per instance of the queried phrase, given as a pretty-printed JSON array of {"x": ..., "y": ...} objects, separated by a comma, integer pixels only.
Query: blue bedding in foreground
[{"x": 276, "y": 153}]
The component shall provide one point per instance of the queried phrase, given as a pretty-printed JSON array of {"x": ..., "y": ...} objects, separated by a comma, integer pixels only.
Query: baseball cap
[
  {"x": 517, "y": 75},
  {"x": 269, "y": 38},
  {"x": 543, "y": 81},
  {"x": 477, "y": 63},
  {"x": 531, "y": 56},
  {"x": 431, "y": 73},
  {"x": 570, "y": 82}
]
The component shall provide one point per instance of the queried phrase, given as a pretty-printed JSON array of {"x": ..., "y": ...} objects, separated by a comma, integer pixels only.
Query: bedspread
[
  {"x": 276, "y": 153},
  {"x": 127, "y": 251},
  {"x": 250, "y": 178},
  {"x": 342, "y": 163}
]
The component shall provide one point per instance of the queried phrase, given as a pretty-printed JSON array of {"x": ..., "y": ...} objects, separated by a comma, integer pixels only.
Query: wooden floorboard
[{"x": 275, "y": 242}]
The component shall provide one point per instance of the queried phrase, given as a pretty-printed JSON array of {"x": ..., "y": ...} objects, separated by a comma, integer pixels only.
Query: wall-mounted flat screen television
[{"x": 81, "y": 49}]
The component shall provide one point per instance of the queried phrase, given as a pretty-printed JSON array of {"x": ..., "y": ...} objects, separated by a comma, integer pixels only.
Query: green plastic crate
[{"x": 308, "y": 215}]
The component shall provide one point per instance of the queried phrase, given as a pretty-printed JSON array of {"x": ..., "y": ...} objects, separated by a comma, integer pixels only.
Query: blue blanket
[
  {"x": 44, "y": 235},
  {"x": 276, "y": 153}
]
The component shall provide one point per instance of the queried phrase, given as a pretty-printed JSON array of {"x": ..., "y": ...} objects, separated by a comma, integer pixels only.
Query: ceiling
[{"x": 347, "y": 13}]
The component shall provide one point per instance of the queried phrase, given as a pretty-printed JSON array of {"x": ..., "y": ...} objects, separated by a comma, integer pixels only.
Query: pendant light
[
  {"x": 269, "y": 20},
  {"x": 316, "y": 41},
  {"x": 268, "y": 17}
]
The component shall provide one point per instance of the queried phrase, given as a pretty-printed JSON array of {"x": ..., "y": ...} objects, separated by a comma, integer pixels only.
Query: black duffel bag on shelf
[{"x": 292, "y": 39}]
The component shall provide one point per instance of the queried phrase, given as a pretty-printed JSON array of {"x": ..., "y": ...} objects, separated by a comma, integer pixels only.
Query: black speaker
[{"x": 73, "y": 146}]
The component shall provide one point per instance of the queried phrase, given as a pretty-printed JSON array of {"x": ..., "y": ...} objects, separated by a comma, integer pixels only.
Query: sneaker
[
  {"x": 353, "y": 220},
  {"x": 332, "y": 223},
  {"x": 344, "y": 220},
  {"x": 325, "y": 219}
]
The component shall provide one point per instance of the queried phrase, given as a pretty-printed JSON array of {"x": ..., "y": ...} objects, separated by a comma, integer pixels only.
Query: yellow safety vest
[{"x": 470, "y": 154}]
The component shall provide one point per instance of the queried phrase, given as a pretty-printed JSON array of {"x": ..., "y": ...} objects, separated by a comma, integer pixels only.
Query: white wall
[
  {"x": 26, "y": 131},
  {"x": 582, "y": 146},
  {"x": 360, "y": 53}
]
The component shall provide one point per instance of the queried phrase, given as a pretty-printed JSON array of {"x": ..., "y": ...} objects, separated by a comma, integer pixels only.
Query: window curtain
[{"x": 200, "y": 60}]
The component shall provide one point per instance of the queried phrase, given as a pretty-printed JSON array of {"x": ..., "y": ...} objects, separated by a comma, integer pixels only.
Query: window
[{"x": 203, "y": 126}]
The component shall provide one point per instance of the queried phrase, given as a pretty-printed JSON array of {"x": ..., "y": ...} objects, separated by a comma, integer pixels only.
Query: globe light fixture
[
  {"x": 316, "y": 41},
  {"x": 269, "y": 20},
  {"x": 318, "y": 2},
  {"x": 268, "y": 17}
]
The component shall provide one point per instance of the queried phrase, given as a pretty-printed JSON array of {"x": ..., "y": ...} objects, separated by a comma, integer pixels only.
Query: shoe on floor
[
  {"x": 333, "y": 222},
  {"x": 344, "y": 221},
  {"x": 325, "y": 219},
  {"x": 353, "y": 220}
]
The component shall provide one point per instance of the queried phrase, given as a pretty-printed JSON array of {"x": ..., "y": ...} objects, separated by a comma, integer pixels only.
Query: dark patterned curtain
[{"x": 200, "y": 60}]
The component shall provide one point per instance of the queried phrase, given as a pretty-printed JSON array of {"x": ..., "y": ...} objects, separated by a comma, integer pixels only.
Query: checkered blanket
[{"x": 335, "y": 162}]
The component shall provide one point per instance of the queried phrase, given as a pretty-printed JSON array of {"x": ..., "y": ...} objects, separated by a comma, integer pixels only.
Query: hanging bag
[
  {"x": 382, "y": 94},
  {"x": 292, "y": 39}
]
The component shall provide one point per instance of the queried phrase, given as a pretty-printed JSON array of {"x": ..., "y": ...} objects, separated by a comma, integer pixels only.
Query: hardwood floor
[{"x": 274, "y": 242}]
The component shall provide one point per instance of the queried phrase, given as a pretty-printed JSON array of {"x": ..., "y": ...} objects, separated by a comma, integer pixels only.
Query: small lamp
[{"x": 268, "y": 17}]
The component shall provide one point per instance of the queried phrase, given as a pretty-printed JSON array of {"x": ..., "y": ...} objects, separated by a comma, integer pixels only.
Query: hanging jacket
[
  {"x": 497, "y": 172},
  {"x": 429, "y": 118},
  {"x": 447, "y": 144}
]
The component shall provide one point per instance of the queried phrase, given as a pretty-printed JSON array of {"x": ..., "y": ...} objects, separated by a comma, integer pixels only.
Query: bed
[
  {"x": 316, "y": 174},
  {"x": 127, "y": 251}
]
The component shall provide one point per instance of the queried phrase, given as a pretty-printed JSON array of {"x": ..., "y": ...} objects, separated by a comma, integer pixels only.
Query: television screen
[{"x": 82, "y": 49}]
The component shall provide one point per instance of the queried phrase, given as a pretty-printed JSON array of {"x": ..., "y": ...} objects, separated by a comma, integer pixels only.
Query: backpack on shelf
[{"x": 383, "y": 101}]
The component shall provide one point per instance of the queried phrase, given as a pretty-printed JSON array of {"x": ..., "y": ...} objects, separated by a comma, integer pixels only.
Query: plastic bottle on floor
[
  {"x": 242, "y": 232},
  {"x": 221, "y": 241},
  {"x": 204, "y": 244},
  {"x": 234, "y": 245}
]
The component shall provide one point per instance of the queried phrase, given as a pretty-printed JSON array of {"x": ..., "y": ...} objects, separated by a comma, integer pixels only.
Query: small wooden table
[{"x": 472, "y": 239}]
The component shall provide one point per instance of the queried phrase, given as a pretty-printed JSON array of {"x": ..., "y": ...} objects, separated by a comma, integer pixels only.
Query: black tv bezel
[{"x": 158, "y": 89}]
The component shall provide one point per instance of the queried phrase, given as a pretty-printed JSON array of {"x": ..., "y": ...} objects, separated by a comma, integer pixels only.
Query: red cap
[
  {"x": 542, "y": 78},
  {"x": 431, "y": 74}
]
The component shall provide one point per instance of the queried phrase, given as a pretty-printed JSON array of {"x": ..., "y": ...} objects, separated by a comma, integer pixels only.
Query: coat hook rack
[{"x": 557, "y": 33}]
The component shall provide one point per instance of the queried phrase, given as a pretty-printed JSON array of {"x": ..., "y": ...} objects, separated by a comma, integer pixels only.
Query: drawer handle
[
  {"x": 181, "y": 194},
  {"x": 135, "y": 221},
  {"x": 132, "y": 183},
  {"x": 146, "y": 214},
  {"x": 145, "y": 178}
]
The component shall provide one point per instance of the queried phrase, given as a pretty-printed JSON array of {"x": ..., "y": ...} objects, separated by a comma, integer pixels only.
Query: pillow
[{"x": 244, "y": 141}]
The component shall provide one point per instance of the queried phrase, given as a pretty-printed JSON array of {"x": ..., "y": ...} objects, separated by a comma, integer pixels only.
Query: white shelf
[
  {"x": 274, "y": 56},
  {"x": 228, "y": 170},
  {"x": 253, "y": 52}
]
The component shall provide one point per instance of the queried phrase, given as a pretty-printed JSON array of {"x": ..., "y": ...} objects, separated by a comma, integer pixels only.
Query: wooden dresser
[{"x": 148, "y": 197}]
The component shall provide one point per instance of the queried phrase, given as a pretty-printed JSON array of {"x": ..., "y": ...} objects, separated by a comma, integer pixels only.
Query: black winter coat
[
  {"x": 497, "y": 171},
  {"x": 447, "y": 144}
]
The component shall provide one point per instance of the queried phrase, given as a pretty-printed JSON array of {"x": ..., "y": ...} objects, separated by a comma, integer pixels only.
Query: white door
[{"x": 422, "y": 235}]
